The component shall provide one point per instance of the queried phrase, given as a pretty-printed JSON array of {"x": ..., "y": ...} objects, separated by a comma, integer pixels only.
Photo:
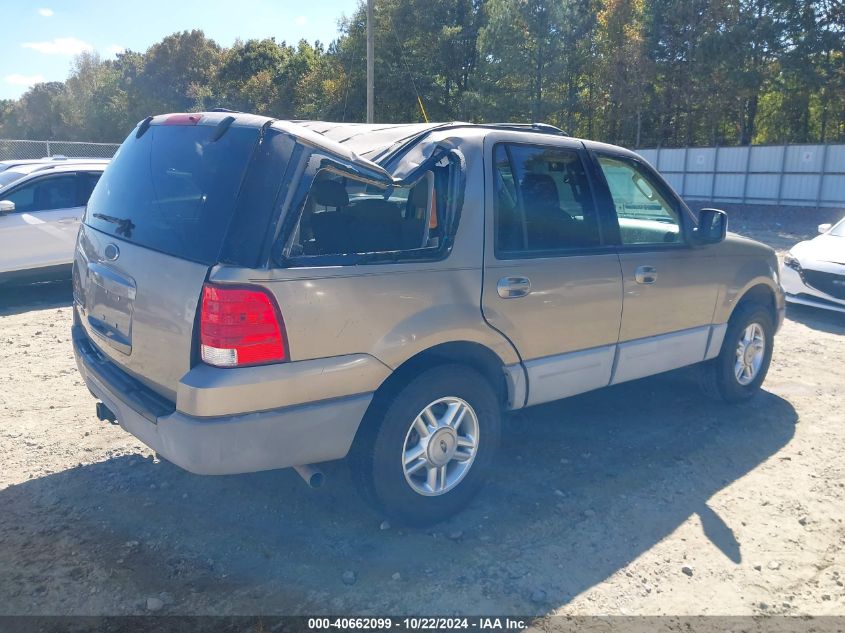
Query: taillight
[
  {"x": 183, "y": 118},
  {"x": 240, "y": 326}
]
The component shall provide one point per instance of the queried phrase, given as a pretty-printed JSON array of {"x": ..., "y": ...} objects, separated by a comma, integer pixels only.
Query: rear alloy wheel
[
  {"x": 440, "y": 446},
  {"x": 428, "y": 449},
  {"x": 737, "y": 373}
]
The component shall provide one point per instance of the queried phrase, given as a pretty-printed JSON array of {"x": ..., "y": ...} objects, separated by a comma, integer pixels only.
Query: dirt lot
[{"x": 645, "y": 498}]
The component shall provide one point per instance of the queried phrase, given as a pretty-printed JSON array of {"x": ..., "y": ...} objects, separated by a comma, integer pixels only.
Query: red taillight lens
[{"x": 240, "y": 326}]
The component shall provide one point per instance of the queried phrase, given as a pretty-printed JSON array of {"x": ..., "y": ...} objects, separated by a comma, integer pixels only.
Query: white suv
[{"x": 41, "y": 205}]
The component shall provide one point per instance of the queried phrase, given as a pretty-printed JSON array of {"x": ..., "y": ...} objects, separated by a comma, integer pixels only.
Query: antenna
[{"x": 370, "y": 63}]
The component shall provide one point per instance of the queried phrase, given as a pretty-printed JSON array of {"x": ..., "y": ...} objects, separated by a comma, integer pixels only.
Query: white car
[
  {"x": 813, "y": 272},
  {"x": 41, "y": 205}
]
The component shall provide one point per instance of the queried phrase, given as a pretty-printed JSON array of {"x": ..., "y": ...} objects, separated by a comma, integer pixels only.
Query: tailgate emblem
[{"x": 111, "y": 252}]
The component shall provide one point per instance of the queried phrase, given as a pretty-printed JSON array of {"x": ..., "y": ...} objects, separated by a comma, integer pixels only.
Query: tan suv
[{"x": 254, "y": 294}]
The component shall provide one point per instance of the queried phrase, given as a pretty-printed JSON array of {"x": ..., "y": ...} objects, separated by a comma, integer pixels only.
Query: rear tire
[
  {"x": 739, "y": 370},
  {"x": 415, "y": 461}
]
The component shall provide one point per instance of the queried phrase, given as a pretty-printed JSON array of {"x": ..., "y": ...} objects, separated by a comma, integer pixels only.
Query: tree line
[{"x": 632, "y": 72}]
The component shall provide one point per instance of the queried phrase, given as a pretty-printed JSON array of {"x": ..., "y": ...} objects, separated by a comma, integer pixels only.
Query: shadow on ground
[
  {"x": 583, "y": 487},
  {"x": 816, "y": 318},
  {"x": 37, "y": 296}
]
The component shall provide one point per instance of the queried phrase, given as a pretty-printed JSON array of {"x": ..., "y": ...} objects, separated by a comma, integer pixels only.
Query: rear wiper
[{"x": 124, "y": 226}]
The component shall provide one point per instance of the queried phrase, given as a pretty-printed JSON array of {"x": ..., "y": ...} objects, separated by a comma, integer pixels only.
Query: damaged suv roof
[{"x": 373, "y": 147}]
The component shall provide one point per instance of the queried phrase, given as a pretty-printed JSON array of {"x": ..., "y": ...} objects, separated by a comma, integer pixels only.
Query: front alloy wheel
[
  {"x": 741, "y": 366},
  {"x": 750, "y": 352}
]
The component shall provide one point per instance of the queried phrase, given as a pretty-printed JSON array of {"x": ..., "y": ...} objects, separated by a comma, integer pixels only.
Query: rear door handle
[
  {"x": 646, "y": 274},
  {"x": 513, "y": 287}
]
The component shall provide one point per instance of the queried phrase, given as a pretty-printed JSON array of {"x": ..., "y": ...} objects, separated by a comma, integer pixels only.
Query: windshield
[
  {"x": 9, "y": 176},
  {"x": 174, "y": 189},
  {"x": 838, "y": 229}
]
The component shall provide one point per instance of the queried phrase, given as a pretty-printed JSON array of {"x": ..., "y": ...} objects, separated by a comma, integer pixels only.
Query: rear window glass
[{"x": 174, "y": 189}]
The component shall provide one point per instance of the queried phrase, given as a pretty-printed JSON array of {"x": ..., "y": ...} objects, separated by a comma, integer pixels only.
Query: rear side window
[
  {"x": 87, "y": 182},
  {"x": 346, "y": 216},
  {"x": 542, "y": 202},
  {"x": 174, "y": 189}
]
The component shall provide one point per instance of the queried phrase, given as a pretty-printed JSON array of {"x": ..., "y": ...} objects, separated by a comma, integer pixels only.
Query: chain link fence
[{"x": 20, "y": 149}]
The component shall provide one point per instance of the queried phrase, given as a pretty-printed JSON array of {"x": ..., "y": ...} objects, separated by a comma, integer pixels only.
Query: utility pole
[{"x": 370, "y": 64}]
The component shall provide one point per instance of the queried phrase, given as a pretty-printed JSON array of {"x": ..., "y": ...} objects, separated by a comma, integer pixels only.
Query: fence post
[
  {"x": 684, "y": 174},
  {"x": 747, "y": 170},
  {"x": 48, "y": 148},
  {"x": 821, "y": 177},
  {"x": 713, "y": 179},
  {"x": 782, "y": 169}
]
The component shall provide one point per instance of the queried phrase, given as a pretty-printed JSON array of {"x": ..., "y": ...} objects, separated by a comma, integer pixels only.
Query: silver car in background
[{"x": 41, "y": 206}]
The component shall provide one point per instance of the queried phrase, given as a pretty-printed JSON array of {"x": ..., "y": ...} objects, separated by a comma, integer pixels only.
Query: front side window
[
  {"x": 44, "y": 194},
  {"x": 542, "y": 201},
  {"x": 346, "y": 216},
  {"x": 645, "y": 215}
]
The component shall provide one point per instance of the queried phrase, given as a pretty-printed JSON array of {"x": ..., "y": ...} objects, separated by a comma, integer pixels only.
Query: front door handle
[
  {"x": 513, "y": 287},
  {"x": 646, "y": 274}
]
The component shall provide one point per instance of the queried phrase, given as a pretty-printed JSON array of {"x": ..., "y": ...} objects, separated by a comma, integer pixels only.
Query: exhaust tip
[
  {"x": 312, "y": 476},
  {"x": 317, "y": 480}
]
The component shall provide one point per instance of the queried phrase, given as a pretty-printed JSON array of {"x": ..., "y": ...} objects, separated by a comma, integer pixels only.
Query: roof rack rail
[
  {"x": 225, "y": 110},
  {"x": 544, "y": 128}
]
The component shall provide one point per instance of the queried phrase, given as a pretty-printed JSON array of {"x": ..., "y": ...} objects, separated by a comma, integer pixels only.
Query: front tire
[
  {"x": 428, "y": 449},
  {"x": 739, "y": 370}
]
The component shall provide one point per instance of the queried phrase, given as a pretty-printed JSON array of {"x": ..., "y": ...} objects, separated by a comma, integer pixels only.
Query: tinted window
[
  {"x": 645, "y": 215},
  {"x": 43, "y": 194},
  {"x": 87, "y": 182},
  {"x": 344, "y": 216},
  {"x": 174, "y": 189},
  {"x": 543, "y": 201}
]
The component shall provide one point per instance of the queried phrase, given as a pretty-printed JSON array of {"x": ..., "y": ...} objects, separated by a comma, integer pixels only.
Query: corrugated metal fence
[
  {"x": 17, "y": 149},
  {"x": 799, "y": 175}
]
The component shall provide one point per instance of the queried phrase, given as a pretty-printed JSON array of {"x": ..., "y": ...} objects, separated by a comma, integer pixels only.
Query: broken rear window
[{"x": 346, "y": 216}]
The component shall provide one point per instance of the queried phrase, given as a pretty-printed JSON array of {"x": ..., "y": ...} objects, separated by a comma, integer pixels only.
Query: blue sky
[{"x": 41, "y": 37}]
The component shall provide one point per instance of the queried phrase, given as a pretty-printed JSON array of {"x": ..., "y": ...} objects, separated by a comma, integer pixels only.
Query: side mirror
[
  {"x": 712, "y": 226},
  {"x": 7, "y": 206},
  {"x": 823, "y": 228}
]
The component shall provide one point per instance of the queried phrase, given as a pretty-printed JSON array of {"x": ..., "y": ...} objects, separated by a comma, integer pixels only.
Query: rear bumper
[{"x": 230, "y": 444}]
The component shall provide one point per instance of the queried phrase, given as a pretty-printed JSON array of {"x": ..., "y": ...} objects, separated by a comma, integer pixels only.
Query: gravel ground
[{"x": 645, "y": 498}]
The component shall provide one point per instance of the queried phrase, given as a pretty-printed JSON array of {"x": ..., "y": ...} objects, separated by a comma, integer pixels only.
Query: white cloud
[
  {"x": 60, "y": 46},
  {"x": 23, "y": 80},
  {"x": 47, "y": 13},
  {"x": 300, "y": 20},
  {"x": 115, "y": 49}
]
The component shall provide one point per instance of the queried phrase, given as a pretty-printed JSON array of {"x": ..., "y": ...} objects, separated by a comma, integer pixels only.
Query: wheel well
[
  {"x": 474, "y": 355},
  {"x": 482, "y": 359},
  {"x": 760, "y": 294}
]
